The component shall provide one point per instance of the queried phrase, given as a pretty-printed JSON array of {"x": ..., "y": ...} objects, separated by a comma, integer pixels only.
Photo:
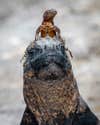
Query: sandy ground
[{"x": 79, "y": 21}]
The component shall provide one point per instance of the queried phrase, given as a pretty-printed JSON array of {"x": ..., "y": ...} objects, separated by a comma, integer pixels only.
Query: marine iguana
[{"x": 50, "y": 88}]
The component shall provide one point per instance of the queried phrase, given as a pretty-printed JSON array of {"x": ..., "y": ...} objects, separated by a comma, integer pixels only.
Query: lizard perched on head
[{"x": 47, "y": 27}]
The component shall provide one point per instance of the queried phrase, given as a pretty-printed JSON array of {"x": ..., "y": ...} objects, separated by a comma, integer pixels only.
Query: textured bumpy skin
[{"x": 50, "y": 89}]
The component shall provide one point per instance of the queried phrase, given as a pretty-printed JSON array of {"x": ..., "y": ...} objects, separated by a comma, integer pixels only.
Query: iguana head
[{"x": 47, "y": 60}]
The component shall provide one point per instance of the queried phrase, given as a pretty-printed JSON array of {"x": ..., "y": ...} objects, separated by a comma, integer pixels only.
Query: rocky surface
[{"x": 80, "y": 26}]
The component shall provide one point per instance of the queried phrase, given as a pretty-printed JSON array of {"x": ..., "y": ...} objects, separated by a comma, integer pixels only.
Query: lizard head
[{"x": 49, "y": 15}]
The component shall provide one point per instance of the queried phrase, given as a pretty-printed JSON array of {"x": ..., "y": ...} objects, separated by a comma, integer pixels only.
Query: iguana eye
[
  {"x": 34, "y": 51},
  {"x": 60, "y": 48}
]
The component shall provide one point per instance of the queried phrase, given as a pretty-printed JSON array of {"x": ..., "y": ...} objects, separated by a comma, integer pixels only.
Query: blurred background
[{"x": 79, "y": 21}]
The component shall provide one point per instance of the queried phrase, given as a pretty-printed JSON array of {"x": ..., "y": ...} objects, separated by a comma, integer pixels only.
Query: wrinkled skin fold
[{"x": 50, "y": 88}]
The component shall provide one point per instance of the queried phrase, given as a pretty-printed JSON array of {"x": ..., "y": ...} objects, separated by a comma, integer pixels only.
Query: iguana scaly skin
[{"x": 50, "y": 88}]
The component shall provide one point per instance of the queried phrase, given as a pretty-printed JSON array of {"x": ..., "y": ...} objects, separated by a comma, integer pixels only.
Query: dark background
[{"x": 79, "y": 21}]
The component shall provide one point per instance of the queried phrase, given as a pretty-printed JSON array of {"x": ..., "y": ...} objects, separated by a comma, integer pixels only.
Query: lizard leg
[
  {"x": 58, "y": 33},
  {"x": 37, "y": 34},
  {"x": 69, "y": 52}
]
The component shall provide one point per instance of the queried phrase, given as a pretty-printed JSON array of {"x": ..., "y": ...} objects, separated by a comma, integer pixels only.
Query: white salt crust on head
[{"x": 47, "y": 41}]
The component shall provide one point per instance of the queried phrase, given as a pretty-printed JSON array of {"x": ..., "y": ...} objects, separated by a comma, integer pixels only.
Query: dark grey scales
[{"x": 50, "y": 88}]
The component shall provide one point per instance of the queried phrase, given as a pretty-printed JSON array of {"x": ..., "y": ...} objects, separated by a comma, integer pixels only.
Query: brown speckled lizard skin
[
  {"x": 50, "y": 88},
  {"x": 47, "y": 27}
]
